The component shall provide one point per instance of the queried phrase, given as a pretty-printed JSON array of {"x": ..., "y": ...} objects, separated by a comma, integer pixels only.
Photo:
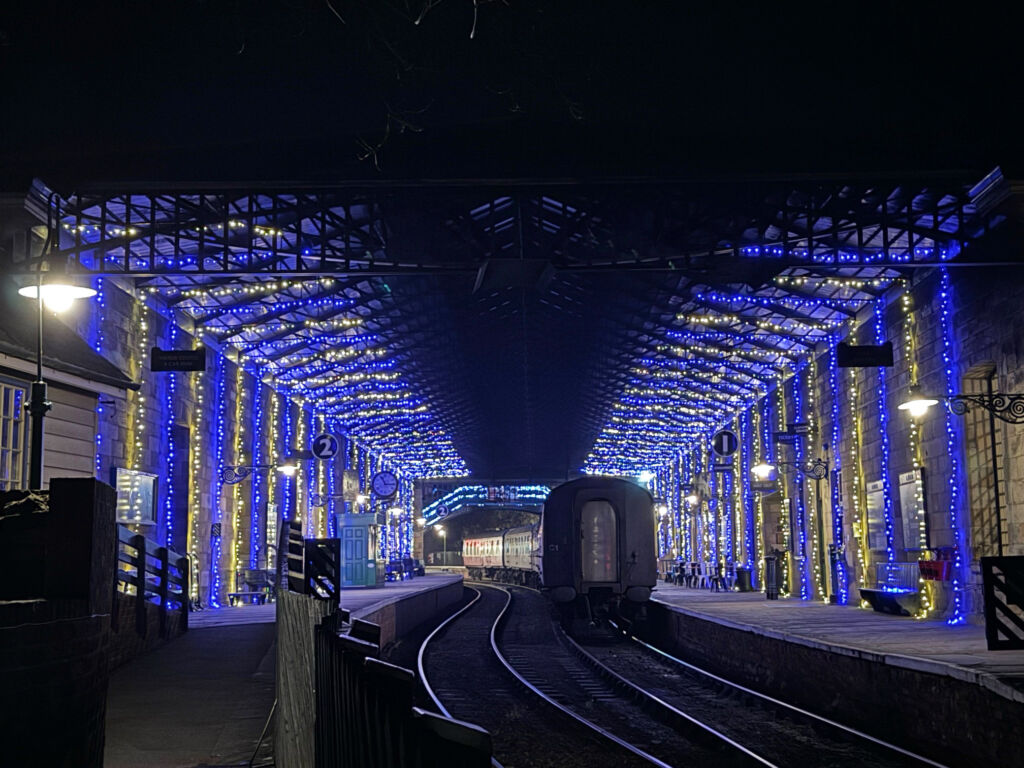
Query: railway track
[
  {"x": 636, "y": 701},
  {"x": 781, "y": 734},
  {"x": 466, "y": 680},
  {"x": 541, "y": 656}
]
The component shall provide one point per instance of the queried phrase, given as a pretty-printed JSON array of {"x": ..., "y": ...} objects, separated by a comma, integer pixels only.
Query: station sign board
[
  {"x": 324, "y": 446},
  {"x": 725, "y": 442},
  {"x": 177, "y": 359},
  {"x": 864, "y": 355},
  {"x": 349, "y": 485}
]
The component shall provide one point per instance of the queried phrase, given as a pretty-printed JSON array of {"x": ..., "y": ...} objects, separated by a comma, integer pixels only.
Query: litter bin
[
  {"x": 743, "y": 580},
  {"x": 771, "y": 582}
]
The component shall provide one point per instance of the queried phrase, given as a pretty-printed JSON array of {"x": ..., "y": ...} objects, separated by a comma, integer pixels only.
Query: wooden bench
[
  {"x": 252, "y": 585},
  {"x": 258, "y": 597}
]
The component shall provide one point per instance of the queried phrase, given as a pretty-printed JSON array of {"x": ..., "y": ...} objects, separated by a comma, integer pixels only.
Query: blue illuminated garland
[
  {"x": 473, "y": 495},
  {"x": 287, "y": 482},
  {"x": 100, "y": 317},
  {"x": 800, "y": 517},
  {"x": 728, "y": 503},
  {"x": 258, "y": 478},
  {"x": 332, "y": 426},
  {"x": 221, "y": 400},
  {"x": 170, "y": 384},
  {"x": 842, "y": 588},
  {"x": 685, "y": 510},
  {"x": 952, "y": 447},
  {"x": 883, "y": 428},
  {"x": 311, "y": 470},
  {"x": 746, "y": 451}
]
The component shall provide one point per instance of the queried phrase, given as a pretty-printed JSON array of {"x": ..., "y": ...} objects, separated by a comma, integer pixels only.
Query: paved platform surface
[
  {"x": 930, "y": 646},
  {"x": 358, "y": 600},
  {"x": 202, "y": 699}
]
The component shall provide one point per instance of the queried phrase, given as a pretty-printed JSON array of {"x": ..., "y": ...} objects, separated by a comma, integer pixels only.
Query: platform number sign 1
[
  {"x": 725, "y": 442},
  {"x": 325, "y": 446}
]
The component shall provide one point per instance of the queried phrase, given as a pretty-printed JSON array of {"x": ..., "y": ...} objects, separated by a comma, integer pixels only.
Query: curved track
[
  {"x": 467, "y": 681},
  {"x": 536, "y": 651},
  {"x": 665, "y": 711}
]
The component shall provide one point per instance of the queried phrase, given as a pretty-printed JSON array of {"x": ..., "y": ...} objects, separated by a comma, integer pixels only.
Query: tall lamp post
[
  {"x": 57, "y": 297},
  {"x": 1008, "y": 408},
  {"x": 817, "y": 470}
]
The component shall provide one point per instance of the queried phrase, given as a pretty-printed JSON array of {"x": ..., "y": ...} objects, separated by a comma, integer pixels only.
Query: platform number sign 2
[
  {"x": 325, "y": 446},
  {"x": 725, "y": 442}
]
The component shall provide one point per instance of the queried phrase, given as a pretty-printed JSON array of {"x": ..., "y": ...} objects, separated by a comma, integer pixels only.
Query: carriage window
[{"x": 598, "y": 526}]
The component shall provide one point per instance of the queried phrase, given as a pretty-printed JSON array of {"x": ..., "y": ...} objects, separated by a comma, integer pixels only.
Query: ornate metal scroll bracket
[{"x": 1005, "y": 407}]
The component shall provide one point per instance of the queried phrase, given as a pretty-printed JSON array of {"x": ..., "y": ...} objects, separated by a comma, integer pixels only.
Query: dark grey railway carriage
[{"x": 598, "y": 548}]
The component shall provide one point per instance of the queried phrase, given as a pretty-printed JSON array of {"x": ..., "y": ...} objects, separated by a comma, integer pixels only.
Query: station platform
[
  {"x": 919, "y": 683},
  {"x": 360, "y": 601},
  {"x": 901, "y": 641},
  {"x": 203, "y": 699}
]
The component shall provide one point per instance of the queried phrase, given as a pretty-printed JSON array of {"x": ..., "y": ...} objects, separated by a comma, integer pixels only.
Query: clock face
[{"x": 384, "y": 484}]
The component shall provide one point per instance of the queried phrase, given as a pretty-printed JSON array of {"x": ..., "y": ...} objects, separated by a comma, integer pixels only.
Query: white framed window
[{"x": 13, "y": 435}]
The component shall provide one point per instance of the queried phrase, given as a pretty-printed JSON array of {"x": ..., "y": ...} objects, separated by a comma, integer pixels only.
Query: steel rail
[
  {"x": 421, "y": 669},
  {"x": 780, "y": 703},
  {"x": 529, "y": 686},
  {"x": 650, "y": 698}
]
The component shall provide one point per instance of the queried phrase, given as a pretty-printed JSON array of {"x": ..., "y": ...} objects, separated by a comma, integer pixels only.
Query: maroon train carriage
[{"x": 509, "y": 556}]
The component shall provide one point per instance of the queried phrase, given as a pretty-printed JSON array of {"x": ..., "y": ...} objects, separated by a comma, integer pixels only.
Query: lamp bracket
[{"x": 1005, "y": 407}]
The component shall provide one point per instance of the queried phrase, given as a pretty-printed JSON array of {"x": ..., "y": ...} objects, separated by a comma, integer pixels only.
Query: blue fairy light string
[
  {"x": 842, "y": 589},
  {"x": 883, "y": 429},
  {"x": 952, "y": 447}
]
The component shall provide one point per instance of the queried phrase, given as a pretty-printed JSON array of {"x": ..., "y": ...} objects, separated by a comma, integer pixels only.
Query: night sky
[{"x": 285, "y": 90}]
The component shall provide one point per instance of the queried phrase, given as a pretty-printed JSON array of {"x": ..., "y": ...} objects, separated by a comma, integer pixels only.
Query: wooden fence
[{"x": 154, "y": 575}]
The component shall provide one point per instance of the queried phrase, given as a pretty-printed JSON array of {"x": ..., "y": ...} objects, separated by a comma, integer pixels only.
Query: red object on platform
[{"x": 935, "y": 570}]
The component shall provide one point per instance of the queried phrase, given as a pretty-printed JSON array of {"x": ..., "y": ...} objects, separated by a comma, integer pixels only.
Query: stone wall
[{"x": 950, "y": 720}]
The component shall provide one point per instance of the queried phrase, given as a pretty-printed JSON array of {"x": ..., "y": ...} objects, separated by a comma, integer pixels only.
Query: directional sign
[
  {"x": 725, "y": 442},
  {"x": 762, "y": 486},
  {"x": 802, "y": 428},
  {"x": 789, "y": 438},
  {"x": 177, "y": 359},
  {"x": 721, "y": 467},
  {"x": 324, "y": 446},
  {"x": 864, "y": 356}
]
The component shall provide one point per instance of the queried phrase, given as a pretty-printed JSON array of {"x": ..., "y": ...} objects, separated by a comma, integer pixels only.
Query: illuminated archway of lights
[
  {"x": 323, "y": 343},
  {"x": 506, "y": 496},
  {"x": 723, "y": 352}
]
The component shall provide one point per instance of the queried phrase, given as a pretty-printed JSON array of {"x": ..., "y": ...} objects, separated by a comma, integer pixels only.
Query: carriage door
[{"x": 600, "y": 541}]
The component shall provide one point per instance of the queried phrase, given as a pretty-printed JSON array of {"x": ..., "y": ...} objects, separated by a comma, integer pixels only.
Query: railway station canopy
[{"x": 523, "y": 328}]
